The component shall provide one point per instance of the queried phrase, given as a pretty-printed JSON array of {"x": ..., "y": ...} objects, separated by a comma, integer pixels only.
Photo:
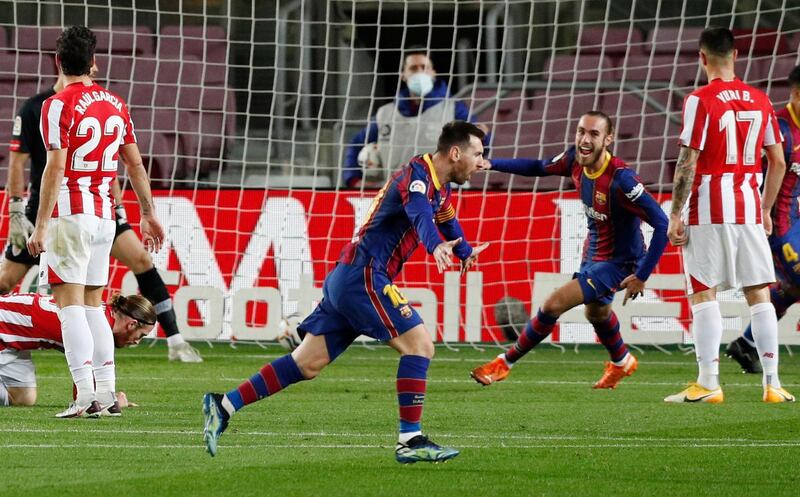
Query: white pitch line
[
  {"x": 385, "y": 447},
  {"x": 528, "y": 359},
  {"x": 388, "y": 380},
  {"x": 789, "y": 442}
]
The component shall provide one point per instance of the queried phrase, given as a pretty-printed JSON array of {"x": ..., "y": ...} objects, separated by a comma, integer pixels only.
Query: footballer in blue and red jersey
[
  {"x": 614, "y": 254},
  {"x": 359, "y": 298},
  {"x": 615, "y": 202}
]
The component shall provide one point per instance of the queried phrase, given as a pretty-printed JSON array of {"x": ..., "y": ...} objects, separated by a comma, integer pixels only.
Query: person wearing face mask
[{"x": 405, "y": 127}]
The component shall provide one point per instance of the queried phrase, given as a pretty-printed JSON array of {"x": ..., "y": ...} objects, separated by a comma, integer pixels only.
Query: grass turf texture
[{"x": 543, "y": 431}]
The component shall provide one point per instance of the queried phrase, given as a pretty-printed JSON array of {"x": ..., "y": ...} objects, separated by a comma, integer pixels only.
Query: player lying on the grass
[
  {"x": 785, "y": 238},
  {"x": 30, "y": 322},
  {"x": 27, "y": 143},
  {"x": 614, "y": 255},
  {"x": 359, "y": 297}
]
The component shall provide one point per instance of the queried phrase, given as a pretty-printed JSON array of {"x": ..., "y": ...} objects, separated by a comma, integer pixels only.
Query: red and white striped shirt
[
  {"x": 91, "y": 123},
  {"x": 28, "y": 322},
  {"x": 729, "y": 122}
]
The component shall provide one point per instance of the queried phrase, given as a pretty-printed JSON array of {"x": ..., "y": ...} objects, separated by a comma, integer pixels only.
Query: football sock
[
  {"x": 103, "y": 356},
  {"x": 609, "y": 335},
  {"x": 269, "y": 380},
  {"x": 4, "y": 398},
  {"x": 502, "y": 356},
  {"x": 765, "y": 333},
  {"x": 781, "y": 300},
  {"x": 175, "y": 340},
  {"x": 412, "y": 375},
  {"x": 152, "y": 287},
  {"x": 707, "y": 330},
  {"x": 79, "y": 349},
  {"x": 537, "y": 330}
]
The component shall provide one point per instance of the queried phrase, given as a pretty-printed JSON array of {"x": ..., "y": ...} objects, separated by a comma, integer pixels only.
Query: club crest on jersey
[
  {"x": 405, "y": 311},
  {"x": 636, "y": 192},
  {"x": 600, "y": 198},
  {"x": 417, "y": 186}
]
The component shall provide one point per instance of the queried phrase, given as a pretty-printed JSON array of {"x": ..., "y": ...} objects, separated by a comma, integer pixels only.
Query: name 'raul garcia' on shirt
[{"x": 89, "y": 98}]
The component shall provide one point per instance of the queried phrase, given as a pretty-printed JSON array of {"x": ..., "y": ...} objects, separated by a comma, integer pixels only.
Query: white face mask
[{"x": 420, "y": 84}]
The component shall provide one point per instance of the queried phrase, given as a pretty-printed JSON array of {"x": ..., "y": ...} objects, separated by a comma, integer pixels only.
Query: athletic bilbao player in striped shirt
[
  {"x": 724, "y": 226},
  {"x": 30, "y": 322},
  {"x": 86, "y": 130}
]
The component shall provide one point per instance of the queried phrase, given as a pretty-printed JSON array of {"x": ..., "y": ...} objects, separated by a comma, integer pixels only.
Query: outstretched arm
[{"x": 560, "y": 165}]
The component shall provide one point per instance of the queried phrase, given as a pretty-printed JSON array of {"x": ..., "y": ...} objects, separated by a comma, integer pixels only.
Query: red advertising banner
[{"x": 227, "y": 241}]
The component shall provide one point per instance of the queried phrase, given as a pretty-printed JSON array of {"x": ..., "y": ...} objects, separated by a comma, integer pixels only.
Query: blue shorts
[
  {"x": 600, "y": 280},
  {"x": 358, "y": 300},
  {"x": 786, "y": 256}
]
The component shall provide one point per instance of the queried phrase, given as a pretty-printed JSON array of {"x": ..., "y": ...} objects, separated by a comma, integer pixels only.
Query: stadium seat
[
  {"x": 208, "y": 44},
  {"x": 612, "y": 41},
  {"x": 159, "y": 150},
  {"x": 124, "y": 40},
  {"x": 114, "y": 69},
  {"x": 36, "y": 38},
  {"x": 667, "y": 40},
  {"x": 15, "y": 66},
  {"x": 3, "y": 39},
  {"x": 754, "y": 42},
  {"x": 580, "y": 68}
]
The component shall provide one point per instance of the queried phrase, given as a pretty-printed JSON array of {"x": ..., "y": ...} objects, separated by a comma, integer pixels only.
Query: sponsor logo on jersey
[
  {"x": 600, "y": 198},
  {"x": 636, "y": 192},
  {"x": 417, "y": 186},
  {"x": 594, "y": 214},
  {"x": 17, "y": 126}
]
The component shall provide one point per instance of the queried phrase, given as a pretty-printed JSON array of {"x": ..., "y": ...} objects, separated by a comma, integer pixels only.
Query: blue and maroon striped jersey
[
  {"x": 615, "y": 202},
  {"x": 412, "y": 207},
  {"x": 786, "y": 211}
]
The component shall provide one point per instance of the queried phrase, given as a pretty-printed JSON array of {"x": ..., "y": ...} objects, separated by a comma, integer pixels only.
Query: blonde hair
[{"x": 135, "y": 307}]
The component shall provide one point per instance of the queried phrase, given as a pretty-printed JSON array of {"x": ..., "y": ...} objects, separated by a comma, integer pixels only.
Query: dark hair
[
  {"x": 457, "y": 133},
  {"x": 794, "y": 77},
  {"x": 602, "y": 115},
  {"x": 717, "y": 41},
  {"x": 415, "y": 50},
  {"x": 75, "y": 50},
  {"x": 135, "y": 307}
]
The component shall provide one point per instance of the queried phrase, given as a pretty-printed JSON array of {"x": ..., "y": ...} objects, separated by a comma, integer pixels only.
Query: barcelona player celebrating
[
  {"x": 614, "y": 255},
  {"x": 359, "y": 297}
]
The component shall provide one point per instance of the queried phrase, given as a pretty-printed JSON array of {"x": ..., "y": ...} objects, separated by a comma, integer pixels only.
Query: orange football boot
[
  {"x": 613, "y": 374},
  {"x": 491, "y": 372}
]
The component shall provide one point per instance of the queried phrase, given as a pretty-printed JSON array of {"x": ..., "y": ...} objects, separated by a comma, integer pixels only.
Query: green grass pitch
[{"x": 543, "y": 431}]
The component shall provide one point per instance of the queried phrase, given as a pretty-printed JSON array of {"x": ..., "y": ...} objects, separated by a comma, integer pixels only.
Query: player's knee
[
  {"x": 141, "y": 263},
  {"x": 24, "y": 397},
  {"x": 553, "y": 307},
  {"x": 597, "y": 315},
  {"x": 311, "y": 367}
]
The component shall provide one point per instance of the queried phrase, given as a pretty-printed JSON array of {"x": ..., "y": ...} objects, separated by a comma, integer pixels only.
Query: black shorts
[{"x": 23, "y": 257}]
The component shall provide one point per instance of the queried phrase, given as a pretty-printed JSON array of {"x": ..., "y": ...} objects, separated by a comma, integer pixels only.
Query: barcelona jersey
[
  {"x": 412, "y": 207},
  {"x": 614, "y": 201}
]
